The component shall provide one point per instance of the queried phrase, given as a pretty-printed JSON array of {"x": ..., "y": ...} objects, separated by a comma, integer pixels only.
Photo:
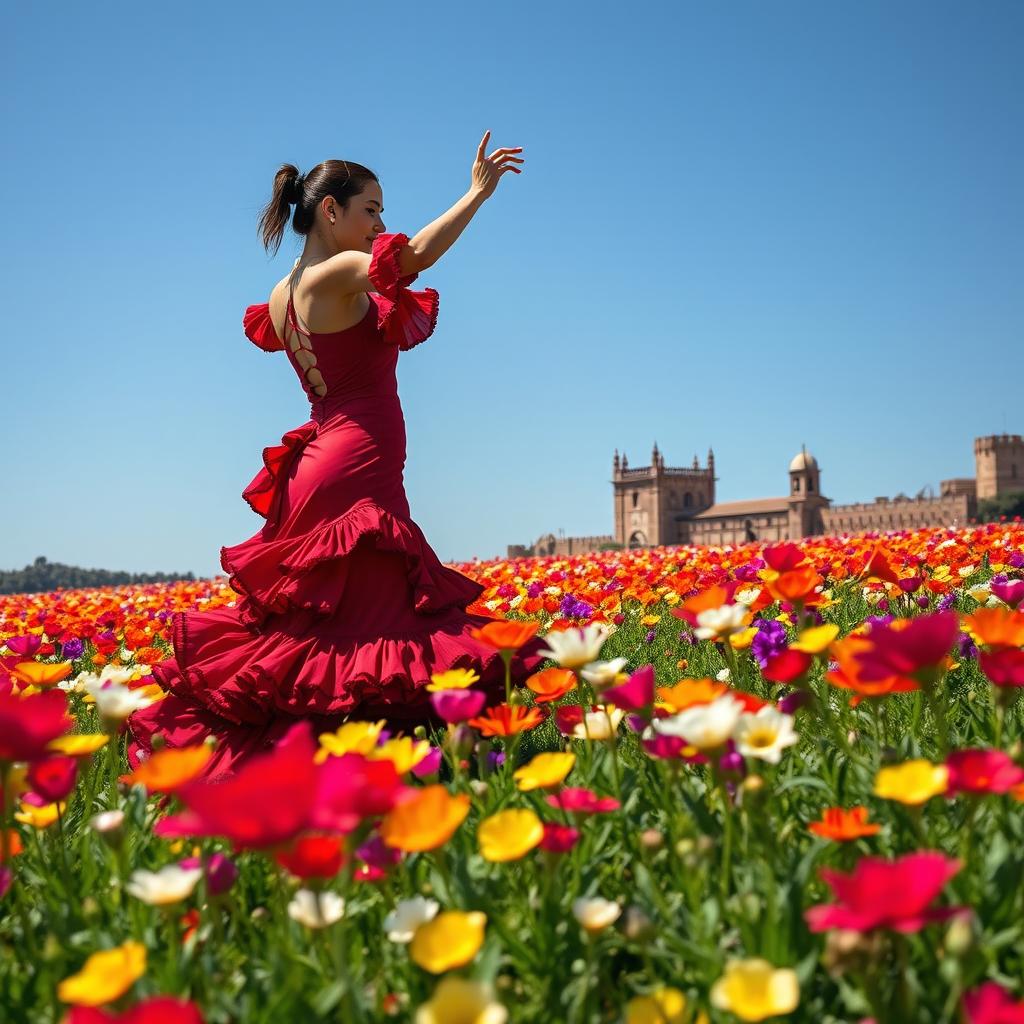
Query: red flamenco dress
[{"x": 344, "y": 609}]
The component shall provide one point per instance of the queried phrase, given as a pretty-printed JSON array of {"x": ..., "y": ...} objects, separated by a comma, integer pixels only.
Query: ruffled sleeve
[
  {"x": 405, "y": 317},
  {"x": 259, "y": 328}
]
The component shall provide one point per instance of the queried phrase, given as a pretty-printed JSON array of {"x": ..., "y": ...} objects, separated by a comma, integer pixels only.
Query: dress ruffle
[
  {"x": 310, "y": 572},
  {"x": 404, "y": 317},
  {"x": 259, "y": 328},
  {"x": 263, "y": 492}
]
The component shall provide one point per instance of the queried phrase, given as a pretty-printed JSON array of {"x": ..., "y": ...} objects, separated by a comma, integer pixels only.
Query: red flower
[
  {"x": 53, "y": 777},
  {"x": 787, "y": 666},
  {"x": 158, "y": 1010},
  {"x": 351, "y": 788},
  {"x": 582, "y": 801},
  {"x": 913, "y": 649},
  {"x": 268, "y": 801},
  {"x": 28, "y": 724},
  {"x": 312, "y": 856},
  {"x": 783, "y": 557},
  {"x": 559, "y": 838},
  {"x": 989, "y": 1004},
  {"x": 982, "y": 771},
  {"x": 879, "y": 893},
  {"x": 1004, "y": 667}
]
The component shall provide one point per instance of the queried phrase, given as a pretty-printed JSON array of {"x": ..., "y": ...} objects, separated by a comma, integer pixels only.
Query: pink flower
[
  {"x": 582, "y": 801},
  {"x": 981, "y": 771},
  {"x": 456, "y": 706},
  {"x": 156, "y": 1010},
  {"x": 1003, "y": 668},
  {"x": 1012, "y": 592},
  {"x": 886, "y": 894},
  {"x": 669, "y": 747},
  {"x": 636, "y": 693},
  {"x": 989, "y": 1004},
  {"x": 27, "y": 724},
  {"x": 916, "y": 650}
]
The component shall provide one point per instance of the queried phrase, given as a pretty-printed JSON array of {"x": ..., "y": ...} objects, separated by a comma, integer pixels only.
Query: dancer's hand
[{"x": 487, "y": 170}]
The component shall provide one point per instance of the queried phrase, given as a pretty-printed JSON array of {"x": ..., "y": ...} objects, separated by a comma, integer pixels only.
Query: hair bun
[{"x": 297, "y": 184}]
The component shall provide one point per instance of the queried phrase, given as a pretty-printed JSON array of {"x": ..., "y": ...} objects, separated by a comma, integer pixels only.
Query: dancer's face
[{"x": 356, "y": 225}]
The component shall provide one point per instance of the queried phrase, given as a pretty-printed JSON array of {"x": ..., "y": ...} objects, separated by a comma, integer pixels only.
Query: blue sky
[{"x": 745, "y": 225}]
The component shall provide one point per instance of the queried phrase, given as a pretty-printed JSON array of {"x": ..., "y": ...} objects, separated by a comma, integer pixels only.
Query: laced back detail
[{"x": 301, "y": 344}]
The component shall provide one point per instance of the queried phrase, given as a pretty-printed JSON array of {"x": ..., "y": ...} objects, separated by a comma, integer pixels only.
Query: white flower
[
  {"x": 168, "y": 885},
  {"x": 597, "y": 725},
  {"x": 719, "y": 622},
  {"x": 724, "y": 675},
  {"x": 116, "y": 674},
  {"x": 573, "y": 648},
  {"x": 704, "y": 726},
  {"x": 595, "y": 913},
  {"x": 115, "y": 702},
  {"x": 764, "y": 735},
  {"x": 316, "y": 910},
  {"x": 407, "y": 916},
  {"x": 747, "y": 596},
  {"x": 601, "y": 674},
  {"x": 107, "y": 821}
]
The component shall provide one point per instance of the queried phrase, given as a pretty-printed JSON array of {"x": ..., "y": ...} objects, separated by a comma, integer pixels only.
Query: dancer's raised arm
[{"x": 348, "y": 271}]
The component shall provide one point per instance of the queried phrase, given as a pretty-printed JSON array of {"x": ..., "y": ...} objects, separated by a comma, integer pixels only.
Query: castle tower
[
  {"x": 805, "y": 497},
  {"x": 999, "y": 464}
]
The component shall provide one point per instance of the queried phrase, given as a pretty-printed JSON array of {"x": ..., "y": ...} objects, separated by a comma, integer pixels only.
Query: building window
[
  {"x": 636, "y": 498},
  {"x": 796, "y": 484},
  {"x": 810, "y": 485},
  {"x": 687, "y": 500}
]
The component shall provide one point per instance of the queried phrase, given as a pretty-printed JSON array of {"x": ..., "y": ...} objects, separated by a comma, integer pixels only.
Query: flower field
[{"x": 765, "y": 782}]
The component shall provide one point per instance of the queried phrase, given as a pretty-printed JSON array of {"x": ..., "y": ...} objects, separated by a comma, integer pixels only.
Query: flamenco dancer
[{"x": 344, "y": 609}]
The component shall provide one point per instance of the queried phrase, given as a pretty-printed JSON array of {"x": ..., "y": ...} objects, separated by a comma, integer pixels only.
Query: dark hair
[{"x": 341, "y": 179}]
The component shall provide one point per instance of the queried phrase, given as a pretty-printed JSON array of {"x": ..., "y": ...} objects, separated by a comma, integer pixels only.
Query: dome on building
[{"x": 803, "y": 460}]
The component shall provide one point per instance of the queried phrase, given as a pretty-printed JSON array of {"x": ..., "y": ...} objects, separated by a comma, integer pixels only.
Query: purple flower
[
  {"x": 748, "y": 573},
  {"x": 72, "y": 649},
  {"x": 769, "y": 640},
  {"x": 794, "y": 700},
  {"x": 946, "y": 602},
  {"x": 220, "y": 872},
  {"x": 922, "y": 601},
  {"x": 966, "y": 647},
  {"x": 495, "y": 758},
  {"x": 1016, "y": 560},
  {"x": 535, "y": 589},
  {"x": 878, "y": 620},
  {"x": 650, "y": 635},
  {"x": 687, "y": 637},
  {"x": 377, "y": 853}
]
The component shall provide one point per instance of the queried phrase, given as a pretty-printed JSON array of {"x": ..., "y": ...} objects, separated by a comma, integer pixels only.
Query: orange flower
[
  {"x": 796, "y": 586},
  {"x": 13, "y": 844},
  {"x": 996, "y": 627},
  {"x": 844, "y": 825},
  {"x": 507, "y": 720},
  {"x": 504, "y": 634},
  {"x": 426, "y": 820},
  {"x": 878, "y": 567},
  {"x": 551, "y": 683},
  {"x": 689, "y": 692},
  {"x": 169, "y": 769},
  {"x": 38, "y": 673}
]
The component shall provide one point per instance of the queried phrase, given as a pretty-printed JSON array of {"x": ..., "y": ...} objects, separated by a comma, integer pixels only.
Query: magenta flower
[
  {"x": 636, "y": 693},
  {"x": 220, "y": 872},
  {"x": 1005, "y": 667},
  {"x": 879, "y": 893},
  {"x": 456, "y": 706},
  {"x": 981, "y": 771},
  {"x": 559, "y": 838},
  {"x": 1010, "y": 591},
  {"x": 990, "y": 1004},
  {"x": 28, "y": 724},
  {"x": 917, "y": 650}
]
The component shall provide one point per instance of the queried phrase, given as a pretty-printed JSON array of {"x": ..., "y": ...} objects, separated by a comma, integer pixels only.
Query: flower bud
[
  {"x": 651, "y": 839},
  {"x": 960, "y": 938},
  {"x": 636, "y": 925}
]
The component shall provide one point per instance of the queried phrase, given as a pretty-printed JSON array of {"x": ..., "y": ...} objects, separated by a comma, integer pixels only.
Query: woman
[{"x": 344, "y": 609}]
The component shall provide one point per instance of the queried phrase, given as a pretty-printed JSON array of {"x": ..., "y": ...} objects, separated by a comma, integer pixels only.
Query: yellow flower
[
  {"x": 743, "y": 639},
  {"x": 106, "y": 976},
  {"x": 509, "y": 835},
  {"x": 650, "y": 620},
  {"x": 425, "y": 821},
  {"x": 351, "y": 738},
  {"x": 451, "y": 939},
  {"x": 403, "y": 752},
  {"x": 78, "y": 744},
  {"x": 39, "y": 817},
  {"x": 544, "y": 770},
  {"x": 912, "y": 782},
  {"x": 754, "y": 990},
  {"x": 662, "y": 1006},
  {"x": 816, "y": 639},
  {"x": 453, "y": 679},
  {"x": 460, "y": 1001}
]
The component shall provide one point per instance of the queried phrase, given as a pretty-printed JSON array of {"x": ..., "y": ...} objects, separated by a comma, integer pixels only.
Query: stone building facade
[{"x": 658, "y": 504}]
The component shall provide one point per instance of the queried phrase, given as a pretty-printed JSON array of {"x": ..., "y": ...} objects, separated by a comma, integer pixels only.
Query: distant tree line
[
  {"x": 1009, "y": 505},
  {"x": 42, "y": 575}
]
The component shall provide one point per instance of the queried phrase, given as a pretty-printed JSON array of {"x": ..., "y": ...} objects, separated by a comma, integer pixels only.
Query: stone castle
[{"x": 659, "y": 504}]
